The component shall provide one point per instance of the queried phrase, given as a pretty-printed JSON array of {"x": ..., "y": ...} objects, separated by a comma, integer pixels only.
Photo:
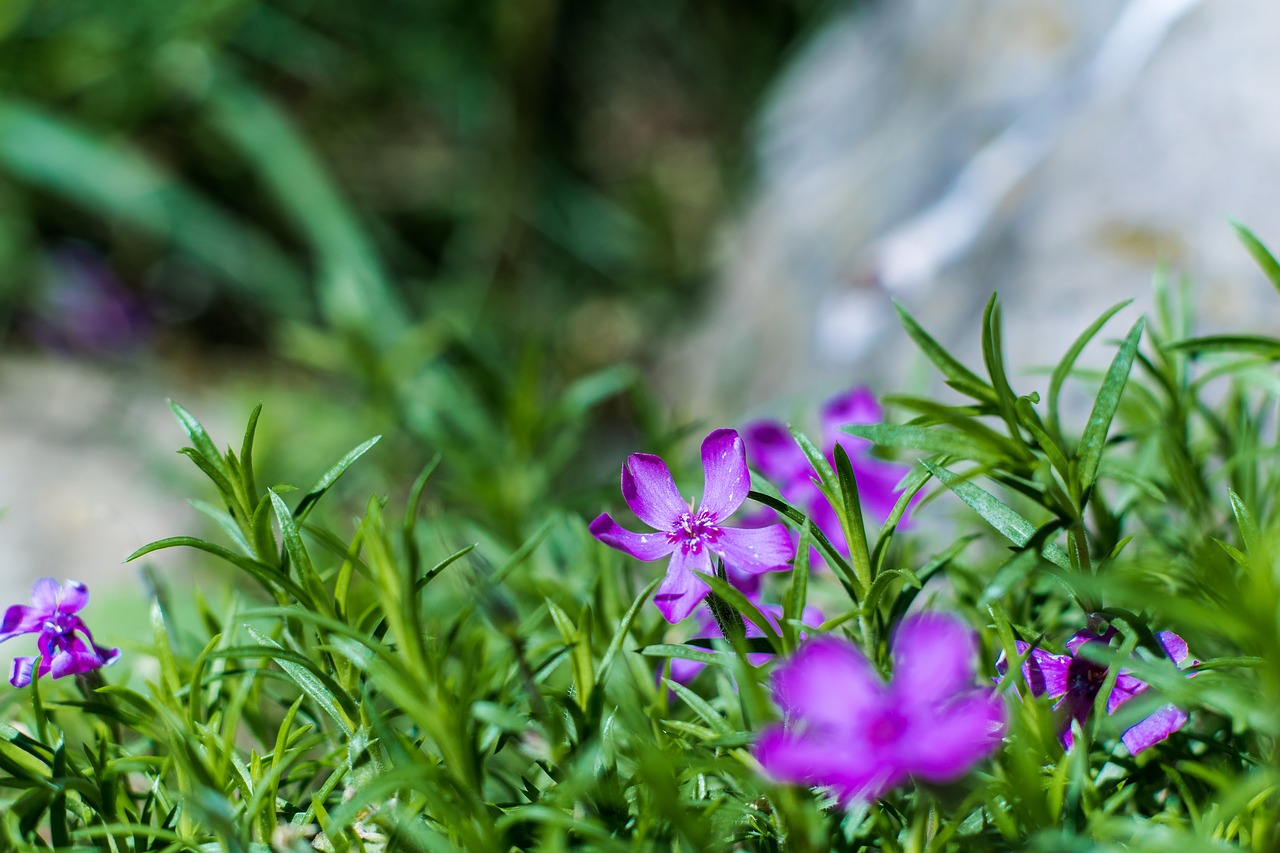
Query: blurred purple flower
[
  {"x": 684, "y": 670},
  {"x": 776, "y": 455},
  {"x": 690, "y": 536},
  {"x": 1078, "y": 680},
  {"x": 63, "y": 651},
  {"x": 85, "y": 308},
  {"x": 847, "y": 730}
]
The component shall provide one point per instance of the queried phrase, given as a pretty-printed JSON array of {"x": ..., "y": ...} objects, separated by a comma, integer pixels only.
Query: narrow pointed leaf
[
  {"x": 1261, "y": 254},
  {"x": 1104, "y": 408},
  {"x": 1009, "y": 523},
  {"x": 1064, "y": 367},
  {"x": 330, "y": 477}
]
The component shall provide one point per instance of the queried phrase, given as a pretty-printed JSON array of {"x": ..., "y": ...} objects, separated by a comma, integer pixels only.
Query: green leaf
[
  {"x": 850, "y": 513},
  {"x": 298, "y": 668},
  {"x": 226, "y": 522},
  {"x": 246, "y": 454},
  {"x": 1258, "y": 345},
  {"x": 319, "y": 598},
  {"x": 734, "y": 597},
  {"x": 199, "y": 438},
  {"x": 700, "y": 707},
  {"x": 268, "y": 576},
  {"x": 1261, "y": 255},
  {"x": 1104, "y": 408},
  {"x": 1064, "y": 367},
  {"x": 817, "y": 460},
  {"x": 957, "y": 375},
  {"x": 929, "y": 439},
  {"x": 624, "y": 628},
  {"x": 330, "y": 477},
  {"x": 993, "y": 358},
  {"x": 842, "y": 568},
  {"x": 675, "y": 650},
  {"x": 797, "y": 594},
  {"x": 1005, "y": 520}
]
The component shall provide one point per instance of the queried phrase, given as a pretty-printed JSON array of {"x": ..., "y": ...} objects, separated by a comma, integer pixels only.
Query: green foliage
[{"x": 448, "y": 676}]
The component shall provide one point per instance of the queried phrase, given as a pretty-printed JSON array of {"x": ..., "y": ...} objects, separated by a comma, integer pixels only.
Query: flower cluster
[
  {"x": 66, "y": 644},
  {"x": 848, "y": 730},
  {"x": 689, "y": 535},
  {"x": 1075, "y": 682},
  {"x": 776, "y": 455}
]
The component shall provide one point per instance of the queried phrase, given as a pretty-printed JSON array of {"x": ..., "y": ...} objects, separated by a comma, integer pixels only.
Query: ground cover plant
[{"x": 830, "y": 652}]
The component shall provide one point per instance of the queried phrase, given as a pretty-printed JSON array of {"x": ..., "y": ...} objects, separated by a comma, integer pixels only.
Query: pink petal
[
  {"x": 1153, "y": 728},
  {"x": 858, "y": 406},
  {"x": 20, "y": 673},
  {"x": 642, "y": 546},
  {"x": 821, "y": 759},
  {"x": 680, "y": 593},
  {"x": 44, "y": 595},
  {"x": 648, "y": 489},
  {"x": 1045, "y": 673},
  {"x": 828, "y": 683},
  {"x": 1174, "y": 646},
  {"x": 73, "y": 597},
  {"x": 21, "y": 619},
  {"x": 724, "y": 463},
  {"x": 933, "y": 658},
  {"x": 773, "y": 452},
  {"x": 943, "y": 746},
  {"x": 755, "y": 549}
]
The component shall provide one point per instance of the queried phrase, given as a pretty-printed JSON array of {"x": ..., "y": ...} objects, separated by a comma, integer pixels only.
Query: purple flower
[
  {"x": 776, "y": 455},
  {"x": 1077, "y": 681},
  {"x": 848, "y": 730},
  {"x": 684, "y": 670},
  {"x": 63, "y": 651},
  {"x": 690, "y": 536}
]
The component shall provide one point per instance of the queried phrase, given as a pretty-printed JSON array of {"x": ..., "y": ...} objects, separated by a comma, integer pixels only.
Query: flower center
[
  {"x": 694, "y": 530},
  {"x": 886, "y": 728}
]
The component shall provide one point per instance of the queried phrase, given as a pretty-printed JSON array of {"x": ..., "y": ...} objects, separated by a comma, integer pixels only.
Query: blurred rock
[
  {"x": 1110, "y": 138},
  {"x": 90, "y": 473}
]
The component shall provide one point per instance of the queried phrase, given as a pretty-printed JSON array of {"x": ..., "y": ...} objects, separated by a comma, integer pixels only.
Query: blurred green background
[{"x": 468, "y": 225}]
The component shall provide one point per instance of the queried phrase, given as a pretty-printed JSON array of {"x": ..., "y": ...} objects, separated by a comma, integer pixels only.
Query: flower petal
[
  {"x": 1153, "y": 728},
  {"x": 1174, "y": 646},
  {"x": 858, "y": 406},
  {"x": 842, "y": 764},
  {"x": 943, "y": 746},
  {"x": 642, "y": 546},
  {"x": 21, "y": 619},
  {"x": 829, "y": 684},
  {"x": 44, "y": 595},
  {"x": 1046, "y": 673},
  {"x": 724, "y": 465},
  {"x": 648, "y": 489},
  {"x": 933, "y": 658},
  {"x": 72, "y": 597},
  {"x": 20, "y": 672},
  {"x": 755, "y": 549},
  {"x": 773, "y": 452},
  {"x": 679, "y": 594}
]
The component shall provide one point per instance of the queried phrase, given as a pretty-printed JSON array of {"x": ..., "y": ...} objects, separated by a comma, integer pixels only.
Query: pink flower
[
  {"x": 1078, "y": 681},
  {"x": 688, "y": 536},
  {"x": 848, "y": 730},
  {"x": 776, "y": 455},
  {"x": 63, "y": 651}
]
